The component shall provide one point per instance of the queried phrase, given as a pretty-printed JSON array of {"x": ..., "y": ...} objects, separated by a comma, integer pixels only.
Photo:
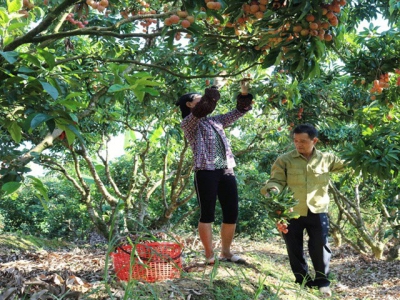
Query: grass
[
  {"x": 230, "y": 282},
  {"x": 28, "y": 243},
  {"x": 266, "y": 276}
]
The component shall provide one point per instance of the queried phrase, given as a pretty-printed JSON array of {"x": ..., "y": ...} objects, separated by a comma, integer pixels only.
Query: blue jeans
[{"x": 317, "y": 227}]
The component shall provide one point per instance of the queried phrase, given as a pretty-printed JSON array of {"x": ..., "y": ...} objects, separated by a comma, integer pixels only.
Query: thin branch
[
  {"x": 47, "y": 142},
  {"x": 59, "y": 167},
  {"x": 104, "y": 160},
  {"x": 42, "y": 26},
  {"x": 99, "y": 184},
  {"x": 164, "y": 179}
]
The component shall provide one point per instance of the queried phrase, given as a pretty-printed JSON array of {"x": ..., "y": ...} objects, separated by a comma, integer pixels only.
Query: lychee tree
[{"x": 74, "y": 73}]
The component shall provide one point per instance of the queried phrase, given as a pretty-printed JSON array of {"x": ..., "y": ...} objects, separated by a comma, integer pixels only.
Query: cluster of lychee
[
  {"x": 319, "y": 27},
  {"x": 255, "y": 8},
  {"x": 100, "y": 6},
  {"x": 215, "y": 5},
  {"x": 80, "y": 24},
  {"x": 26, "y": 5},
  {"x": 379, "y": 84},
  {"x": 312, "y": 27},
  {"x": 181, "y": 17},
  {"x": 145, "y": 23},
  {"x": 146, "y": 10}
]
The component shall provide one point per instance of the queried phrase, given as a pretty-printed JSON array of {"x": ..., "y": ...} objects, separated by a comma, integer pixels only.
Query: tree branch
[
  {"x": 99, "y": 183},
  {"x": 107, "y": 166},
  {"x": 42, "y": 26}
]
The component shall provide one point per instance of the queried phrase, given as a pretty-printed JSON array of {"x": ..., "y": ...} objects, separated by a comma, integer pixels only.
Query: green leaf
[
  {"x": 41, "y": 191},
  {"x": 32, "y": 59},
  {"x": 72, "y": 95},
  {"x": 73, "y": 132},
  {"x": 118, "y": 87},
  {"x": 14, "y": 26},
  {"x": 16, "y": 132},
  {"x": 129, "y": 138},
  {"x": 145, "y": 82},
  {"x": 14, "y": 5},
  {"x": 270, "y": 59},
  {"x": 48, "y": 57},
  {"x": 89, "y": 179},
  {"x": 51, "y": 90},
  {"x": 140, "y": 75},
  {"x": 319, "y": 49},
  {"x": 39, "y": 119},
  {"x": 69, "y": 134},
  {"x": 156, "y": 135},
  {"x": 39, "y": 186},
  {"x": 10, "y": 187},
  {"x": 74, "y": 117},
  {"x": 139, "y": 93},
  {"x": 10, "y": 56},
  {"x": 4, "y": 19},
  {"x": 151, "y": 91},
  {"x": 25, "y": 70},
  {"x": 293, "y": 215},
  {"x": 71, "y": 104},
  {"x": 99, "y": 167},
  {"x": 315, "y": 70}
]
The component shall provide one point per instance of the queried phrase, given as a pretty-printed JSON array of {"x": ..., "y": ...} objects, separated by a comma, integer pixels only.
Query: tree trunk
[{"x": 337, "y": 237}]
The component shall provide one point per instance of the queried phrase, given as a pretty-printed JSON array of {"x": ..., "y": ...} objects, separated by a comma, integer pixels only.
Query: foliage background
[{"x": 73, "y": 75}]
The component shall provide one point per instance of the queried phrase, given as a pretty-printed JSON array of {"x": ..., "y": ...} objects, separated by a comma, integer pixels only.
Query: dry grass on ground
[{"x": 80, "y": 273}]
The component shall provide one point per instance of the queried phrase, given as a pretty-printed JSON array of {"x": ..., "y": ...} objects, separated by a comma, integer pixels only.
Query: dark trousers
[
  {"x": 219, "y": 183},
  {"x": 317, "y": 227}
]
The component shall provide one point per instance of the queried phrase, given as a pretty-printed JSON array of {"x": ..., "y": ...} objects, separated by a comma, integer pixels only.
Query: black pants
[
  {"x": 317, "y": 227},
  {"x": 219, "y": 183}
]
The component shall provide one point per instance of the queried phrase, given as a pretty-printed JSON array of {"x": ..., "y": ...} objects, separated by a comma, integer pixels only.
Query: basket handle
[{"x": 148, "y": 258}]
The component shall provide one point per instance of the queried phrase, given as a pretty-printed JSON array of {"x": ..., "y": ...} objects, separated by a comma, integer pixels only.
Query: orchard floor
[{"x": 85, "y": 272}]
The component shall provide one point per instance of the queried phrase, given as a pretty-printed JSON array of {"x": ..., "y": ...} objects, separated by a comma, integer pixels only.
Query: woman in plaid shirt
[{"x": 213, "y": 164}]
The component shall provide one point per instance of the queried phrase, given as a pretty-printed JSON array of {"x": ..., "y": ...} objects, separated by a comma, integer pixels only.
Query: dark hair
[
  {"x": 185, "y": 110},
  {"x": 306, "y": 128}
]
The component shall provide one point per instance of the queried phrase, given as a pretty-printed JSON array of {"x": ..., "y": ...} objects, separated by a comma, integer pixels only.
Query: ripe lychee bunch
[
  {"x": 80, "y": 24},
  {"x": 379, "y": 84},
  {"x": 82, "y": 11},
  {"x": 320, "y": 26},
  {"x": 318, "y": 23},
  {"x": 215, "y": 5},
  {"x": 100, "y": 6},
  {"x": 27, "y": 4},
  {"x": 181, "y": 18},
  {"x": 255, "y": 9}
]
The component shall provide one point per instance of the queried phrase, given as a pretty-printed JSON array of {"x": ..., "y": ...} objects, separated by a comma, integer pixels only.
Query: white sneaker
[{"x": 325, "y": 291}]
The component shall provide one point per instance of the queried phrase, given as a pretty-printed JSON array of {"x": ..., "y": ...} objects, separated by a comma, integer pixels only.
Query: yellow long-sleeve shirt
[{"x": 308, "y": 180}]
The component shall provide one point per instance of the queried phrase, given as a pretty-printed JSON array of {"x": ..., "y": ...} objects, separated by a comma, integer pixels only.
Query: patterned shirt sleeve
[
  {"x": 228, "y": 118},
  {"x": 200, "y": 133}
]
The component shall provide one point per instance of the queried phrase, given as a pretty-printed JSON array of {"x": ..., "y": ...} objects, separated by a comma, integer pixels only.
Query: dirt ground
[{"x": 80, "y": 271}]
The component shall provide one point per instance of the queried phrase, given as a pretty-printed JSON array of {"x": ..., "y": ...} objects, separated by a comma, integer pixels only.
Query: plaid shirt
[{"x": 199, "y": 133}]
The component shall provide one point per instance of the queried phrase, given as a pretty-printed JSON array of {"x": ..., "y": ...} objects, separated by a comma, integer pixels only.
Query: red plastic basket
[{"x": 155, "y": 261}]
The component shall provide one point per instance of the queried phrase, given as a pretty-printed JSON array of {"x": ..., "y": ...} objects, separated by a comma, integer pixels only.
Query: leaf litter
[{"x": 80, "y": 273}]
